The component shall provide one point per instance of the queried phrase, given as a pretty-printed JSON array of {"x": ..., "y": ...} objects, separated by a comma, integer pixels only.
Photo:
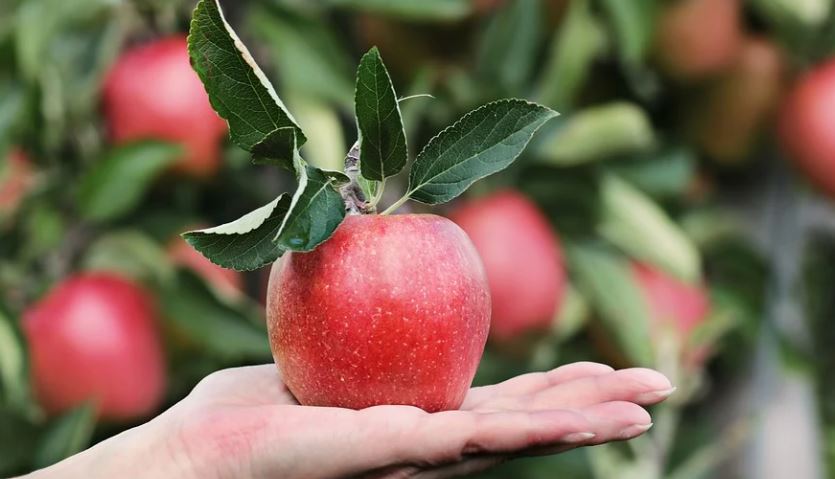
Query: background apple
[
  {"x": 673, "y": 305},
  {"x": 731, "y": 112},
  {"x": 806, "y": 125},
  {"x": 697, "y": 38},
  {"x": 94, "y": 337},
  {"x": 389, "y": 310},
  {"x": 15, "y": 179},
  {"x": 152, "y": 92},
  {"x": 522, "y": 259}
]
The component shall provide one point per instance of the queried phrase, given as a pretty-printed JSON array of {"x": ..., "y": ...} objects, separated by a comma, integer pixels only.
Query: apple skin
[
  {"x": 94, "y": 337},
  {"x": 152, "y": 92},
  {"x": 736, "y": 107},
  {"x": 695, "y": 39},
  {"x": 389, "y": 310},
  {"x": 806, "y": 126},
  {"x": 227, "y": 282},
  {"x": 15, "y": 181},
  {"x": 523, "y": 260}
]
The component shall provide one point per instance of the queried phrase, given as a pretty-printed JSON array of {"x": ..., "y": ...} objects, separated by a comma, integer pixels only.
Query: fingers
[
  {"x": 611, "y": 421},
  {"x": 617, "y": 421},
  {"x": 638, "y": 385},
  {"x": 432, "y": 440},
  {"x": 533, "y": 382}
]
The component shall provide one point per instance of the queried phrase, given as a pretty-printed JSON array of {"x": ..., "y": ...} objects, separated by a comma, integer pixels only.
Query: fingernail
[
  {"x": 634, "y": 430},
  {"x": 655, "y": 396},
  {"x": 576, "y": 437}
]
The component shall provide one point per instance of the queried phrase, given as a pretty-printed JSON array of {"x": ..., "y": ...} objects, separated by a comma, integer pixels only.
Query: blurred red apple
[
  {"x": 731, "y": 114},
  {"x": 697, "y": 38},
  {"x": 94, "y": 337},
  {"x": 152, "y": 92},
  {"x": 807, "y": 125},
  {"x": 225, "y": 281},
  {"x": 673, "y": 306},
  {"x": 522, "y": 258},
  {"x": 390, "y": 310},
  {"x": 15, "y": 180}
]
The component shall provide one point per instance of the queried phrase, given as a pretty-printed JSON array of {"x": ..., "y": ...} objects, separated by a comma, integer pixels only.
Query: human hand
[{"x": 244, "y": 423}]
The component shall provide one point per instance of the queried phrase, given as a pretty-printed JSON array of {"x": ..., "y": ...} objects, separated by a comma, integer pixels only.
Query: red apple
[
  {"x": 389, "y": 310},
  {"x": 697, "y": 38},
  {"x": 522, "y": 257},
  {"x": 673, "y": 305},
  {"x": 730, "y": 115},
  {"x": 806, "y": 126},
  {"x": 225, "y": 281},
  {"x": 94, "y": 337},
  {"x": 15, "y": 180},
  {"x": 152, "y": 92}
]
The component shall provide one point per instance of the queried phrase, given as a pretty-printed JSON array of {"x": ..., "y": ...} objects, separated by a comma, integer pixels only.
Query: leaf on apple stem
[
  {"x": 382, "y": 136},
  {"x": 481, "y": 143},
  {"x": 297, "y": 223},
  {"x": 246, "y": 243},
  {"x": 238, "y": 89},
  {"x": 315, "y": 211}
]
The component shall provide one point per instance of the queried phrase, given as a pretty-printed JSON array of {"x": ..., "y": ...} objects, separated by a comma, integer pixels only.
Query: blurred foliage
[
  {"x": 615, "y": 176},
  {"x": 818, "y": 278}
]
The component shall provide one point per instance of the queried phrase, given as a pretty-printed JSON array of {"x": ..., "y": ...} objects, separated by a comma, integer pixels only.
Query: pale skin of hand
[{"x": 244, "y": 423}]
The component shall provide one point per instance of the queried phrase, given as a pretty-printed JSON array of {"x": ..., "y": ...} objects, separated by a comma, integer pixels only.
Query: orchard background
[{"x": 677, "y": 184}]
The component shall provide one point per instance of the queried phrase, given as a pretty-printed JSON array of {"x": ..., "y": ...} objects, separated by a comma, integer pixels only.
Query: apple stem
[
  {"x": 397, "y": 204},
  {"x": 352, "y": 194}
]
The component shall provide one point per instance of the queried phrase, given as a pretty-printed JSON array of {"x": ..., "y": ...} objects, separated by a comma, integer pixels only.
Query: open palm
[{"x": 244, "y": 423}]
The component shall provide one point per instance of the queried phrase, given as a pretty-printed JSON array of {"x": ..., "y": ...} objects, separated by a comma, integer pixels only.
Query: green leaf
[
  {"x": 116, "y": 184},
  {"x": 598, "y": 133},
  {"x": 246, "y": 243},
  {"x": 192, "y": 309},
  {"x": 572, "y": 315},
  {"x": 382, "y": 137},
  {"x": 509, "y": 46},
  {"x": 14, "y": 364},
  {"x": 130, "y": 253},
  {"x": 281, "y": 139},
  {"x": 483, "y": 142},
  {"x": 70, "y": 434},
  {"x": 18, "y": 439},
  {"x": 633, "y": 23},
  {"x": 238, "y": 89},
  {"x": 297, "y": 223},
  {"x": 411, "y": 9},
  {"x": 667, "y": 174},
  {"x": 606, "y": 280},
  {"x": 634, "y": 223},
  {"x": 12, "y": 105},
  {"x": 315, "y": 211},
  {"x": 579, "y": 42}
]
